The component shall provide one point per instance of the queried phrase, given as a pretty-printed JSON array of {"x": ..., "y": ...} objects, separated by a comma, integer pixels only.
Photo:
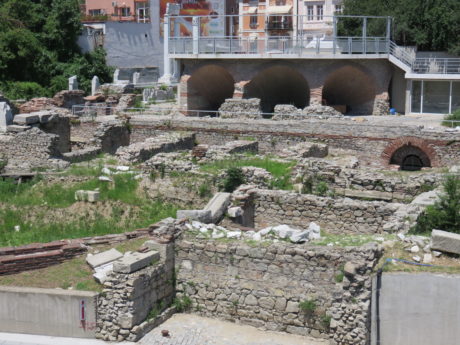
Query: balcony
[{"x": 285, "y": 24}]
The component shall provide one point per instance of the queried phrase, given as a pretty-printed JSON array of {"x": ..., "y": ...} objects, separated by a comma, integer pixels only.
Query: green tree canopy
[
  {"x": 432, "y": 25},
  {"x": 38, "y": 47}
]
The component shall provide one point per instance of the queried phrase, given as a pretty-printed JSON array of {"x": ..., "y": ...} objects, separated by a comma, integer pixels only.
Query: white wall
[{"x": 47, "y": 311}]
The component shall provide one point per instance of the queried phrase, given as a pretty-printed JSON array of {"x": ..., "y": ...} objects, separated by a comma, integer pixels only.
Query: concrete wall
[
  {"x": 418, "y": 309},
  {"x": 130, "y": 44},
  {"x": 47, "y": 311},
  {"x": 135, "y": 44},
  {"x": 398, "y": 90}
]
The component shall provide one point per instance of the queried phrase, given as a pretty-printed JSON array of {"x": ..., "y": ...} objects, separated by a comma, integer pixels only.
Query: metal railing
[
  {"x": 424, "y": 65},
  {"x": 302, "y": 45},
  {"x": 436, "y": 65}
]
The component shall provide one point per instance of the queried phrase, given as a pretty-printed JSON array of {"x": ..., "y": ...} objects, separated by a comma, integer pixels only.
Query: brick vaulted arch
[{"x": 402, "y": 148}]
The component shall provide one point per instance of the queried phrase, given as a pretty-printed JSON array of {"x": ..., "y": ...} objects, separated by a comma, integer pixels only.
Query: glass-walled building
[{"x": 435, "y": 96}]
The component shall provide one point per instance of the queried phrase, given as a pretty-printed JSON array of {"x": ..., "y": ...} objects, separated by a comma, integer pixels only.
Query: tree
[
  {"x": 39, "y": 51},
  {"x": 429, "y": 24}
]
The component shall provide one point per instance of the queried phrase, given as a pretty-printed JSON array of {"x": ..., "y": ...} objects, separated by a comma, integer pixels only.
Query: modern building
[
  {"x": 121, "y": 10},
  {"x": 282, "y": 59}
]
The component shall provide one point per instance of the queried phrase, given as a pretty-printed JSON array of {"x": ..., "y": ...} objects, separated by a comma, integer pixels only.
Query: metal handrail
[{"x": 298, "y": 45}]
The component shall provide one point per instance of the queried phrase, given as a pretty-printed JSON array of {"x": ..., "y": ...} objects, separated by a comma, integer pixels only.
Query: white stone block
[
  {"x": 135, "y": 261},
  {"x": 6, "y": 116},
  {"x": 445, "y": 241},
  {"x": 103, "y": 258},
  {"x": 26, "y": 119}
]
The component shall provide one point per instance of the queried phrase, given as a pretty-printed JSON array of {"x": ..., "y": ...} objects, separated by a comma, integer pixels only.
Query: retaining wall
[
  {"x": 334, "y": 215},
  {"x": 422, "y": 308},
  {"x": 47, "y": 311},
  {"x": 263, "y": 286}
]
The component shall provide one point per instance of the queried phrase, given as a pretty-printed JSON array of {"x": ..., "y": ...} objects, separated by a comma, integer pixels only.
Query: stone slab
[
  {"x": 135, "y": 261},
  {"x": 203, "y": 216},
  {"x": 26, "y": 119},
  {"x": 103, "y": 258},
  {"x": 17, "y": 128},
  {"x": 445, "y": 241},
  {"x": 6, "y": 116},
  {"x": 218, "y": 206}
]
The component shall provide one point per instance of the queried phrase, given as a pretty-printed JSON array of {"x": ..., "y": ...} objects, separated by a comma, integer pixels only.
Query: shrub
[
  {"x": 182, "y": 304},
  {"x": 3, "y": 163},
  {"x": 204, "y": 190},
  {"x": 455, "y": 116},
  {"x": 24, "y": 90},
  {"x": 321, "y": 188},
  {"x": 234, "y": 178},
  {"x": 308, "y": 305},
  {"x": 445, "y": 213}
]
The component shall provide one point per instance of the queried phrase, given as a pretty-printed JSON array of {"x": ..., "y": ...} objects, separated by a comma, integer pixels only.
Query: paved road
[{"x": 184, "y": 329}]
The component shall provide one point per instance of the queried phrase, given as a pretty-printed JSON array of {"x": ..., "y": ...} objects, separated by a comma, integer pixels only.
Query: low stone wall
[
  {"x": 367, "y": 139},
  {"x": 81, "y": 155},
  {"x": 399, "y": 186},
  {"x": 47, "y": 311},
  {"x": 334, "y": 215},
  {"x": 132, "y": 304},
  {"x": 32, "y": 148},
  {"x": 140, "y": 152},
  {"x": 265, "y": 286},
  {"x": 112, "y": 135}
]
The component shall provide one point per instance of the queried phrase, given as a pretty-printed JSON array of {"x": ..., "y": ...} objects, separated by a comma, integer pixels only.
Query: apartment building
[{"x": 117, "y": 10}]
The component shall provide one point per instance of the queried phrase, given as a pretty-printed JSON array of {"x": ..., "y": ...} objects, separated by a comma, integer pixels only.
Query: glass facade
[
  {"x": 435, "y": 97},
  {"x": 455, "y": 95}
]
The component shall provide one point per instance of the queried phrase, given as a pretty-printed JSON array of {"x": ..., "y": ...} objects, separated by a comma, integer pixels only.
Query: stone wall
[
  {"x": 390, "y": 185},
  {"x": 334, "y": 215},
  {"x": 30, "y": 149},
  {"x": 367, "y": 139},
  {"x": 168, "y": 142},
  {"x": 132, "y": 304},
  {"x": 109, "y": 136},
  {"x": 265, "y": 286},
  {"x": 241, "y": 108}
]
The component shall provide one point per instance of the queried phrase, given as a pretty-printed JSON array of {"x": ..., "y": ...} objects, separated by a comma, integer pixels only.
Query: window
[
  {"x": 125, "y": 11},
  {"x": 95, "y": 12},
  {"x": 253, "y": 21},
  {"x": 319, "y": 12},
  {"x": 338, "y": 9},
  {"x": 310, "y": 12}
]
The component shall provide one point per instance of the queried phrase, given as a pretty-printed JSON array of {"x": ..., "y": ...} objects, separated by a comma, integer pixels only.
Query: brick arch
[{"x": 400, "y": 148}]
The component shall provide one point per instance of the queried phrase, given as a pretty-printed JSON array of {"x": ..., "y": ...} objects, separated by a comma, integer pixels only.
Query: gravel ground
[{"x": 187, "y": 329}]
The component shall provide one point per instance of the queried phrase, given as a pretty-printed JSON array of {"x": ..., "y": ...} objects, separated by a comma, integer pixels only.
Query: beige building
[{"x": 315, "y": 17}]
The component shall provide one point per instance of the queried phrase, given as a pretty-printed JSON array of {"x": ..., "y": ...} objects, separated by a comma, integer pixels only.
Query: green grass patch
[
  {"x": 349, "y": 240},
  {"x": 43, "y": 231},
  {"x": 276, "y": 168},
  {"x": 281, "y": 171}
]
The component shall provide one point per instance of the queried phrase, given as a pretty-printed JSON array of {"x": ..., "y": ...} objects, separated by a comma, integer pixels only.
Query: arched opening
[
  {"x": 350, "y": 89},
  {"x": 207, "y": 88},
  {"x": 410, "y": 158},
  {"x": 278, "y": 85}
]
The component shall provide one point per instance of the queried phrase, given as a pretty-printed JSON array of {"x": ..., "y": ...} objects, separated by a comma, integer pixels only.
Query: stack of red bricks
[{"x": 37, "y": 255}]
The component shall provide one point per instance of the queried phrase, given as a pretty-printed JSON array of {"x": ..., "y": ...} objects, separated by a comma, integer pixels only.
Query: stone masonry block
[
  {"x": 103, "y": 258},
  {"x": 135, "y": 261},
  {"x": 26, "y": 119},
  {"x": 445, "y": 241}
]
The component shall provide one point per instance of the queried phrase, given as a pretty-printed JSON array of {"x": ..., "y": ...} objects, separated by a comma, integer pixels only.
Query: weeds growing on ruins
[{"x": 445, "y": 213}]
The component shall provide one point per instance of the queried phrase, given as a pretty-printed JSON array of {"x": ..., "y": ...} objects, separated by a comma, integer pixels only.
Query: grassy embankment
[{"x": 19, "y": 200}]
